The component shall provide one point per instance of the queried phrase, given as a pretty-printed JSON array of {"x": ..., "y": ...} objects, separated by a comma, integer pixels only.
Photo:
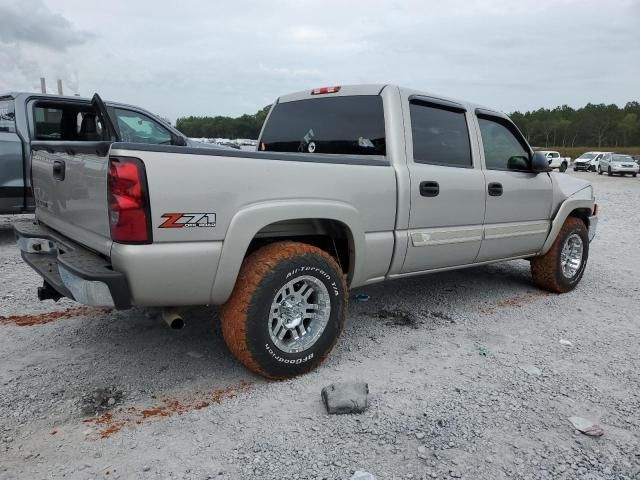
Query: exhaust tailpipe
[{"x": 172, "y": 318}]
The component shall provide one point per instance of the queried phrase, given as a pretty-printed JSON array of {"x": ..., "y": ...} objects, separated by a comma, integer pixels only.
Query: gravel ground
[{"x": 467, "y": 374}]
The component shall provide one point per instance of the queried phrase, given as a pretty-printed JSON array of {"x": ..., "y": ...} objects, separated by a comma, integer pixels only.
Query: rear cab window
[
  {"x": 346, "y": 125},
  {"x": 7, "y": 115}
]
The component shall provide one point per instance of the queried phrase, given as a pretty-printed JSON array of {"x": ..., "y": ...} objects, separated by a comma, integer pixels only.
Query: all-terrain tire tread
[
  {"x": 234, "y": 317},
  {"x": 544, "y": 268}
]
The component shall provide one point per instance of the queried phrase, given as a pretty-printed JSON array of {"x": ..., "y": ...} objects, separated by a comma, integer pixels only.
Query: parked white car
[
  {"x": 588, "y": 161},
  {"x": 555, "y": 160},
  {"x": 616, "y": 163}
]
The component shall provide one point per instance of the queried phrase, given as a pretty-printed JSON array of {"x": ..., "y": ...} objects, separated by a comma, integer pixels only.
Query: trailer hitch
[{"x": 47, "y": 292}]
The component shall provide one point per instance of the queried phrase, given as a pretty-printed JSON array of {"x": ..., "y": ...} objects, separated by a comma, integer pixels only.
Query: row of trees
[
  {"x": 245, "y": 126},
  {"x": 595, "y": 125}
]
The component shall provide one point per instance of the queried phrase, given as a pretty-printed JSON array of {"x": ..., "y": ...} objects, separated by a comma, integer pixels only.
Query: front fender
[
  {"x": 580, "y": 199},
  {"x": 250, "y": 220}
]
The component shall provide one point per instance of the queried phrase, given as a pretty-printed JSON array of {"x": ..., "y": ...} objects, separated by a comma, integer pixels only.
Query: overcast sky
[{"x": 227, "y": 58}]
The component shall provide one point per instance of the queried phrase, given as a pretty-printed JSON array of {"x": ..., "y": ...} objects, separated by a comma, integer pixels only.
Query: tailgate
[
  {"x": 70, "y": 178},
  {"x": 70, "y": 190}
]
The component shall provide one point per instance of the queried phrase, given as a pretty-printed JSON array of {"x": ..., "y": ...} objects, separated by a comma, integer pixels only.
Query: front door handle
[
  {"x": 495, "y": 189},
  {"x": 58, "y": 169},
  {"x": 429, "y": 189}
]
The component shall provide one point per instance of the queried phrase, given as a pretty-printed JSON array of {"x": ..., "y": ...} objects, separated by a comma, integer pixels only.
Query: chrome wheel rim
[
  {"x": 571, "y": 255},
  {"x": 299, "y": 314}
]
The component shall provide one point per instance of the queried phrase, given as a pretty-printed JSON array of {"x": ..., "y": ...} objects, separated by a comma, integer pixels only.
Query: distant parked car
[
  {"x": 616, "y": 163},
  {"x": 587, "y": 162},
  {"x": 555, "y": 160}
]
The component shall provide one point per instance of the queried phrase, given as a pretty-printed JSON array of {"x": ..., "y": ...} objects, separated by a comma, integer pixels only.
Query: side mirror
[
  {"x": 539, "y": 163},
  {"x": 179, "y": 141},
  {"x": 518, "y": 162}
]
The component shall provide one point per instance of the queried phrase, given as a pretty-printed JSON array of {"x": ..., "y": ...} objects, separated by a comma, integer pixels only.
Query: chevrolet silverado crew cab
[
  {"x": 349, "y": 186},
  {"x": 25, "y": 117}
]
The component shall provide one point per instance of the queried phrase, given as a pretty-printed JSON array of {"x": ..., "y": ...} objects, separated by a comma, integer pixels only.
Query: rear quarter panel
[{"x": 247, "y": 194}]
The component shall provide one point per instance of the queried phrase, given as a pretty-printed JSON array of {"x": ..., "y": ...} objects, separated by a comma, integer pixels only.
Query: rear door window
[
  {"x": 7, "y": 116},
  {"x": 352, "y": 125},
  {"x": 69, "y": 122},
  {"x": 48, "y": 123},
  {"x": 440, "y": 136}
]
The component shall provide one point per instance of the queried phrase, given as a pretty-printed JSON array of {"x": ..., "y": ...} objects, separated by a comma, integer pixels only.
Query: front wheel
[
  {"x": 599, "y": 170},
  {"x": 634, "y": 175},
  {"x": 286, "y": 311},
  {"x": 563, "y": 167},
  {"x": 561, "y": 268},
  {"x": 609, "y": 172}
]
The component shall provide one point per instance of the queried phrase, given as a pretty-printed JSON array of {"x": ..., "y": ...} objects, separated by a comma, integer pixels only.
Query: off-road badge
[{"x": 188, "y": 220}]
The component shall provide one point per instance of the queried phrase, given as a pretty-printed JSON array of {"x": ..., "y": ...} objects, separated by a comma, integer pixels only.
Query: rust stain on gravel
[
  {"x": 47, "y": 317},
  {"x": 108, "y": 423},
  {"x": 517, "y": 301}
]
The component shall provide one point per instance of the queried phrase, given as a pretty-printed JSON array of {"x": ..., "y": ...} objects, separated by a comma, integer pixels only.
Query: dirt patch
[
  {"x": 42, "y": 318},
  {"x": 518, "y": 301},
  {"x": 109, "y": 423},
  {"x": 101, "y": 400},
  {"x": 400, "y": 318}
]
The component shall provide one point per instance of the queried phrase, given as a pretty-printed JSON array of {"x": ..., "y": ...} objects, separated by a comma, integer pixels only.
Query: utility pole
[
  {"x": 60, "y": 87},
  {"x": 43, "y": 85}
]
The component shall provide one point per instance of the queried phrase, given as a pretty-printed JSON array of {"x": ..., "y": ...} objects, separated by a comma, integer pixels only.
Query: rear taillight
[
  {"x": 323, "y": 90},
  {"x": 129, "y": 215}
]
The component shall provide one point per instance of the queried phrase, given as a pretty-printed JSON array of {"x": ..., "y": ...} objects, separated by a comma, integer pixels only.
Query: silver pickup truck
[{"x": 350, "y": 186}]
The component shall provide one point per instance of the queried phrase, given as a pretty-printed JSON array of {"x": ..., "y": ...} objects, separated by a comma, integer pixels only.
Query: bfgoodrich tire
[
  {"x": 561, "y": 268},
  {"x": 286, "y": 311}
]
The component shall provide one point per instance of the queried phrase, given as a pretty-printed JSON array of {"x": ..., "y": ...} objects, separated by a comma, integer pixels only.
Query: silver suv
[{"x": 614, "y": 163}]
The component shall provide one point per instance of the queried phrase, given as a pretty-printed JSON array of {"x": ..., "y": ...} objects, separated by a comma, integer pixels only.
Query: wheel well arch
[
  {"x": 330, "y": 235},
  {"x": 582, "y": 213}
]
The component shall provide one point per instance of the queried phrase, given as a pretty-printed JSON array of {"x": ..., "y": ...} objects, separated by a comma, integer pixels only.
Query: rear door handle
[
  {"x": 495, "y": 189},
  {"x": 59, "y": 169},
  {"x": 429, "y": 189}
]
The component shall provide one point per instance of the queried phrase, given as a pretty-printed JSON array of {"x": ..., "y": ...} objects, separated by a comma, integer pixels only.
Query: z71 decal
[{"x": 188, "y": 220}]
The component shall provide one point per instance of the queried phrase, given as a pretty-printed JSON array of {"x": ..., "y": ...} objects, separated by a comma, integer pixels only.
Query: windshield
[
  {"x": 621, "y": 158},
  {"x": 587, "y": 156}
]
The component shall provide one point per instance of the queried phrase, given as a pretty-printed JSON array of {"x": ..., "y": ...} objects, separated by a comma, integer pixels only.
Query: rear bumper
[{"x": 71, "y": 270}]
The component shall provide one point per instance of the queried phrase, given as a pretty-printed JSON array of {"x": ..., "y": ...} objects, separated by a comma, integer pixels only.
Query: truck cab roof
[{"x": 376, "y": 89}]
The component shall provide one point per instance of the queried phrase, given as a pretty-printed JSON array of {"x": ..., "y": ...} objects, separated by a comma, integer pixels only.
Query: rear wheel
[
  {"x": 286, "y": 311},
  {"x": 563, "y": 167},
  {"x": 561, "y": 268}
]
